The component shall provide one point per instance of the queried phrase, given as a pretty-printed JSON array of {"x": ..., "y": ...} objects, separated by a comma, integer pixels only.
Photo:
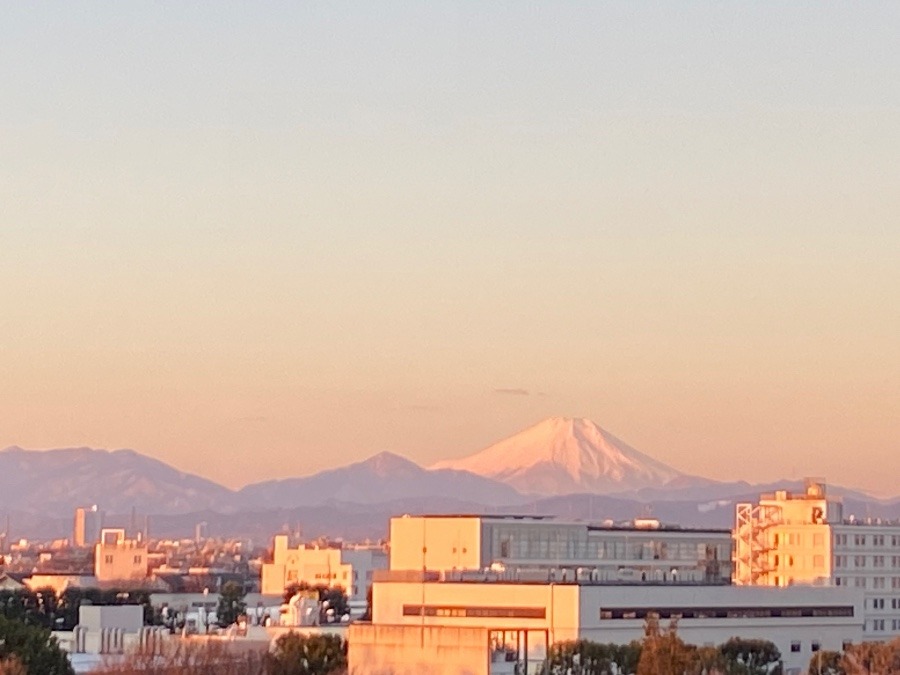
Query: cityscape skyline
[{"x": 253, "y": 243}]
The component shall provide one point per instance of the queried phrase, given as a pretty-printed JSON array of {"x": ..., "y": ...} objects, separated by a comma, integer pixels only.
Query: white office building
[
  {"x": 788, "y": 539},
  {"x": 538, "y": 547}
]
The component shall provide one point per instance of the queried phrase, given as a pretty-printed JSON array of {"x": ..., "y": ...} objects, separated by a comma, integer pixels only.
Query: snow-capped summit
[{"x": 564, "y": 456}]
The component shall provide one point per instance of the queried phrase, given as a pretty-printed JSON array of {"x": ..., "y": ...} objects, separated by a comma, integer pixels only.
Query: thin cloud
[
  {"x": 512, "y": 392},
  {"x": 253, "y": 419}
]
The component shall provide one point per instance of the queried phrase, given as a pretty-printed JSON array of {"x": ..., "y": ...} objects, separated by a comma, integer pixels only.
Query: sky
[{"x": 257, "y": 240}]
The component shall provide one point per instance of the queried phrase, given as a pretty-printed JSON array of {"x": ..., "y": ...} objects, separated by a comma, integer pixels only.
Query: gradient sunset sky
[{"x": 257, "y": 240}]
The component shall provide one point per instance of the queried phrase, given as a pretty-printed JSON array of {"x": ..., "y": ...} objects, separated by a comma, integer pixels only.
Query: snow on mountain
[
  {"x": 566, "y": 456},
  {"x": 382, "y": 478}
]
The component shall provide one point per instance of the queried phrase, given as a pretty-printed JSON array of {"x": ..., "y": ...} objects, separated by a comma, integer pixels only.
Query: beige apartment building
[
  {"x": 788, "y": 539},
  {"x": 350, "y": 568},
  {"x": 117, "y": 558}
]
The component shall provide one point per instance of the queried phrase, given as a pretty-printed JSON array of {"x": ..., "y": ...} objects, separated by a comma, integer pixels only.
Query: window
[
  {"x": 818, "y": 561},
  {"x": 108, "y": 559},
  {"x": 860, "y": 582},
  {"x": 877, "y": 603},
  {"x": 878, "y": 540},
  {"x": 839, "y": 561},
  {"x": 859, "y": 561},
  {"x": 859, "y": 540},
  {"x": 895, "y": 583},
  {"x": 818, "y": 540},
  {"x": 878, "y": 582},
  {"x": 816, "y": 645},
  {"x": 840, "y": 540},
  {"x": 877, "y": 625},
  {"x": 878, "y": 561},
  {"x": 795, "y": 646},
  {"x": 137, "y": 560}
]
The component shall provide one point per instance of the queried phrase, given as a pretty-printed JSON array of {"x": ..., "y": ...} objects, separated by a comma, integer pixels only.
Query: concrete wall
[
  {"x": 363, "y": 563},
  {"x": 829, "y": 632},
  {"x": 122, "y": 561},
  {"x": 436, "y": 543},
  {"x": 412, "y": 650},
  {"x": 559, "y": 602},
  {"x": 129, "y": 618}
]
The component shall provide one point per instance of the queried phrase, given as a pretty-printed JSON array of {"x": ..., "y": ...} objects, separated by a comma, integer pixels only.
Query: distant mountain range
[{"x": 566, "y": 467}]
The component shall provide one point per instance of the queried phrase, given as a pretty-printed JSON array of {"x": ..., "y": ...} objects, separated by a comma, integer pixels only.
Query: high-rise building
[
  {"x": 88, "y": 523},
  {"x": 788, "y": 539}
]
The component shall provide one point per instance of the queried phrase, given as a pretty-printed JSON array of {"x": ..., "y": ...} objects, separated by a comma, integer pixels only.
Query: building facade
[
  {"x": 428, "y": 626},
  {"x": 531, "y": 546},
  {"x": 87, "y": 526},
  {"x": 117, "y": 558},
  {"x": 350, "y": 568},
  {"x": 787, "y": 539}
]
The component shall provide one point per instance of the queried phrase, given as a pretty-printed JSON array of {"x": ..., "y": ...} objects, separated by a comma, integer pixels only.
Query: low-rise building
[
  {"x": 427, "y": 626},
  {"x": 117, "y": 558},
  {"x": 350, "y": 568},
  {"x": 642, "y": 550}
]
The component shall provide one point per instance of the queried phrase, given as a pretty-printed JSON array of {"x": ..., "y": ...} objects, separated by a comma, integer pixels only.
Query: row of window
[
  {"x": 876, "y": 583},
  {"x": 875, "y": 540},
  {"x": 531, "y": 543},
  {"x": 457, "y": 611},
  {"x": 880, "y": 625},
  {"x": 863, "y": 561},
  {"x": 727, "y": 612},
  {"x": 814, "y": 646},
  {"x": 108, "y": 559}
]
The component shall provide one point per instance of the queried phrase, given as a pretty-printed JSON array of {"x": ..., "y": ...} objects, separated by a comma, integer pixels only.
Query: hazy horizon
[{"x": 259, "y": 239}]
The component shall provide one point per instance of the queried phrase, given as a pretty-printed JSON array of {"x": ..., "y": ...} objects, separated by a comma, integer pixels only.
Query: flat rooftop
[{"x": 638, "y": 525}]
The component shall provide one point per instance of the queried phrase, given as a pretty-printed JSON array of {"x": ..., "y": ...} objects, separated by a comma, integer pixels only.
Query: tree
[
  {"x": 868, "y": 658},
  {"x": 663, "y": 652},
  {"x": 749, "y": 657},
  {"x": 628, "y": 657},
  {"x": 306, "y": 655},
  {"x": 825, "y": 663},
  {"x": 334, "y": 596},
  {"x": 12, "y": 666},
  {"x": 583, "y": 657},
  {"x": 231, "y": 603},
  {"x": 33, "y": 647},
  {"x": 707, "y": 661},
  {"x": 186, "y": 658}
]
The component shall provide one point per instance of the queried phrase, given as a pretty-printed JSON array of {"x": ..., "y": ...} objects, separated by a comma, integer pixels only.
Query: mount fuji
[{"x": 563, "y": 455}]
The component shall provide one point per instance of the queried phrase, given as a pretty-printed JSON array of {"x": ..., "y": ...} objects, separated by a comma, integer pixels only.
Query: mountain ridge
[
  {"x": 564, "y": 455},
  {"x": 572, "y": 463}
]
